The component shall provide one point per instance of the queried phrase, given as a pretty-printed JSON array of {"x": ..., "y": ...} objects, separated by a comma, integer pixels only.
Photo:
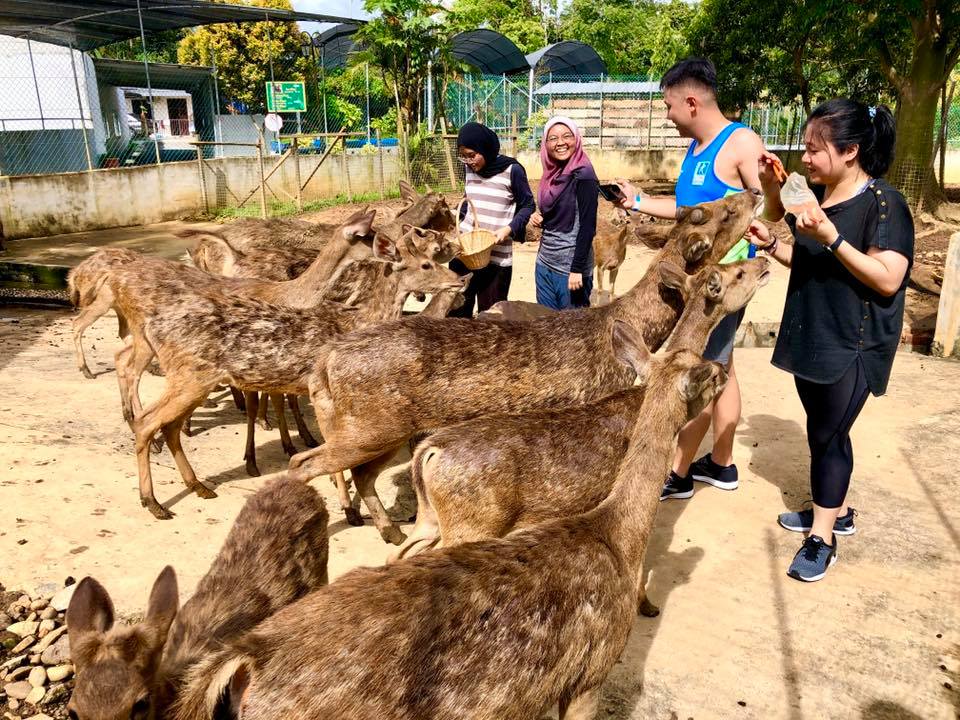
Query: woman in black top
[{"x": 849, "y": 267}]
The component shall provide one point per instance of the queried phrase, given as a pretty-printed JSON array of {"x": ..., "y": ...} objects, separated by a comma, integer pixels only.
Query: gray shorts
[{"x": 720, "y": 343}]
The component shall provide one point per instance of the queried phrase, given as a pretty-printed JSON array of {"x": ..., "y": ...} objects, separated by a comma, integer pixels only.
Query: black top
[{"x": 830, "y": 318}]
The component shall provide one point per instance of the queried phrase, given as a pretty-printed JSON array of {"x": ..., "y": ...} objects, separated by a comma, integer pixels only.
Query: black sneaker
[
  {"x": 813, "y": 559},
  {"x": 706, "y": 470},
  {"x": 802, "y": 521},
  {"x": 677, "y": 488}
]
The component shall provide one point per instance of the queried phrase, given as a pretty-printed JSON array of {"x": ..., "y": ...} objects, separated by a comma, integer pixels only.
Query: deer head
[{"x": 730, "y": 286}]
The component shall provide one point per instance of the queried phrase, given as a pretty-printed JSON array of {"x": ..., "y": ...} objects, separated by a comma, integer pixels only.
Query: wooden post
[
  {"x": 345, "y": 169},
  {"x": 263, "y": 180},
  {"x": 513, "y": 134},
  {"x": 946, "y": 339},
  {"x": 383, "y": 190},
  {"x": 600, "y": 130},
  {"x": 296, "y": 172},
  {"x": 451, "y": 171},
  {"x": 203, "y": 182}
]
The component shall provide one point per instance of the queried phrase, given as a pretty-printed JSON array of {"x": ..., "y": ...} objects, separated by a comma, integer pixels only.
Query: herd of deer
[{"x": 543, "y": 445}]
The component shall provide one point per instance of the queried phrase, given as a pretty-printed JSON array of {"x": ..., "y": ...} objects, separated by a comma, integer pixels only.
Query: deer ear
[
  {"x": 90, "y": 611},
  {"x": 163, "y": 604},
  {"x": 652, "y": 236},
  {"x": 692, "y": 381},
  {"x": 407, "y": 192},
  {"x": 629, "y": 348},
  {"x": 358, "y": 225},
  {"x": 409, "y": 244},
  {"x": 694, "y": 246},
  {"x": 713, "y": 288},
  {"x": 672, "y": 277},
  {"x": 225, "y": 693},
  {"x": 384, "y": 249}
]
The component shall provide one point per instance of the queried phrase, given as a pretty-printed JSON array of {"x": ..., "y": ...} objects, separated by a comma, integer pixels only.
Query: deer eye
[
  {"x": 140, "y": 709},
  {"x": 425, "y": 266},
  {"x": 72, "y": 714},
  {"x": 739, "y": 274}
]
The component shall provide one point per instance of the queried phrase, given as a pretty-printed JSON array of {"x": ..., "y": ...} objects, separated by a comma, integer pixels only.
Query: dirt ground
[{"x": 737, "y": 638}]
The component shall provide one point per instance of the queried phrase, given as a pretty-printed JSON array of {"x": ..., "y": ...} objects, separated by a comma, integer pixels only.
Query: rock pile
[{"x": 36, "y": 676}]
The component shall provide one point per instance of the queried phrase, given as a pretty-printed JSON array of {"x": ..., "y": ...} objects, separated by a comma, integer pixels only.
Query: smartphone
[{"x": 611, "y": 192}]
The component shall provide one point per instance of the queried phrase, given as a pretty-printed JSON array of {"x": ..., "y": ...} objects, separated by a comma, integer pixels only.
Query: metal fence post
[
  {"x": 83, "y": 123},
  {"x": 650, "y": 116},
  {"x": 263, "y": 180},
  {"x": 383, "y": 194},
  {"x": 203, "y": 181},
  {"x": 296, "y": 172},
  {"x": 344, "y": 168},
  {"x": 600, "y": 131}
]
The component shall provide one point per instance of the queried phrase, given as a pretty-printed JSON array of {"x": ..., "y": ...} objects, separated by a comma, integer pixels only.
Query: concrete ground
[{"x": 737, "y": 638}]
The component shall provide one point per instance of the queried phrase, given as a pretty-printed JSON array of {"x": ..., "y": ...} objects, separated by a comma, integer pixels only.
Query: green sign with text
[{"x": 283, "y": 97}]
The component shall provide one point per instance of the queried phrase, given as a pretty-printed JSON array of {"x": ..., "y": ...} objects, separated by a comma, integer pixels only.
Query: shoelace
[{"x": 811, "y": 548}]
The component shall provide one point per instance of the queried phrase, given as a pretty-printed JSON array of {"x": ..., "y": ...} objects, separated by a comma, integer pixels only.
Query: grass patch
[{"x": 279, "y": 209}]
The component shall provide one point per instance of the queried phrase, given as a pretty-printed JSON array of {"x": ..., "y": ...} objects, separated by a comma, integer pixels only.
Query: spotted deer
[
  {"x": 276, "y": 552},
  {"x": 502, "y": 628},
  {"x": 610, "y": 250},
  {"x": 440, "y": 372},
  {"x": 486, "y": 477}
]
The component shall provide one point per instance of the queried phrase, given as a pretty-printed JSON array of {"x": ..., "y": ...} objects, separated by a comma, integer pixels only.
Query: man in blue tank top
[{"x": 723, "y": 158}]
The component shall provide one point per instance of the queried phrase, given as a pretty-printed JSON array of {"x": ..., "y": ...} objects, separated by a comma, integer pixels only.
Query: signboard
[{"x": 286, "y": 97}]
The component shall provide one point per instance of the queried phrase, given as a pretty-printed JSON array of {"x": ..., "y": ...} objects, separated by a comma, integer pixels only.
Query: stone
[
  {"x": 18, "y": 690},
  {"x": 58, "y": 653},
  {"x": 46, "y": 626},
  {"x": 56, "y": 693},
  {"x": 47, "y": 590},
  {"x": 58, "y": 673},
  {"x": 36, "y": 695},
  {"x": 5, "y": 620},
  {"x": 18, "y": 674},
  {"x": 38, "y": 604},
  {"x": 8, "y": 640},
  {"x": 22, "y": 629},
  {"x": 13, "y": 704},
  {"x": 61, "y": 601},
  {"x": 49, "y": 639},
  {"x": 23, "y": 644},
  {"x": 34, "y": 660},
  {"x": 49, "y": 613},
  {"x": 40, "y": 716},
  {"x": 32, "y": 616},
  {"x": 13, "y": 662},
  {"x": 24, "y": 600},
  {"x": 38, "y": 676}
]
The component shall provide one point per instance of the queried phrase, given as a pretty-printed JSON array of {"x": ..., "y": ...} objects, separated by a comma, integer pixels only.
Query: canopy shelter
[
  {"x": 334, "y": 45},
  {"x": 89, "y": 24},
  {"x": 488, "y": 51},
  {"x": 567, "y": 58}
]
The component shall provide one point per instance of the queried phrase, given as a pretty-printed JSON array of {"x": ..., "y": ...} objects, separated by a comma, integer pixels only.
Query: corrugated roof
[
  {"x": 570, "y": 57},
  {"x": 489, "y": 52},
  {"x": 89, "y": 24}
]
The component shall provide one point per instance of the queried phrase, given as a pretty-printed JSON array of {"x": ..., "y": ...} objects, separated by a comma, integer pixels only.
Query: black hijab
[{"x": 483, "y": 140}]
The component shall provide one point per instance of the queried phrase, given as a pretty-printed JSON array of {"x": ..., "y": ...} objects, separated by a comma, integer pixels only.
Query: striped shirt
[{"x": 496, "y": 206}]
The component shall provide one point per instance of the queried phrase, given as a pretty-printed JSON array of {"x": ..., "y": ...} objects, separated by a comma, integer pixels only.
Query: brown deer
[
  {"x": 204, "y": 338},
  {"x": 440, "y": 372},
  {"x": 515, "y": 311},
  {"x": 485, "y": 477},
  {"x": 502, "y": 628},
  {"x": 610, "y": 250},
  {"x": 276, "y": 552}
]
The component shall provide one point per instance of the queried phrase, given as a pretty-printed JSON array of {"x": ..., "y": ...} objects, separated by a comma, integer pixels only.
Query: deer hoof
[
  {"x": 290, "y": 450},
  {"x": 264, "y": 425},
  {"x": 252, "y": 469},
  {"x": 309, "y": 440},
  {"x": 156, "y": 509},
  {"x": 648, "y": 609},
  {"x": 87, "y": 374},
  {"x": 154, "y": 369},
  {"x": 157, "y": 444},
  {"x": 393, "y": 535},
  {"x": 353, "y": 516},
  {"x": 203, "y": 491}
]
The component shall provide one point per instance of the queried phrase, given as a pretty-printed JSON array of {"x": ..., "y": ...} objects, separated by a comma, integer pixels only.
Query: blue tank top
[{"x": 698, "y": 183}]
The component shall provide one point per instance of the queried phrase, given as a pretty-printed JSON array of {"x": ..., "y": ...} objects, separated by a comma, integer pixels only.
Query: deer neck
[
  {"x": 699, "y": 318},
  {"x": 315, "y": 278},
  {"x": 638, "y": 306},
  {"x": 385, "y": 300},
  {"x": 626, "y": 516}
]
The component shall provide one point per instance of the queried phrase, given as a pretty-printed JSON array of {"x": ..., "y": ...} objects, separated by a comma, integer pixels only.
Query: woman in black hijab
[{"x": 497, "y": 185}]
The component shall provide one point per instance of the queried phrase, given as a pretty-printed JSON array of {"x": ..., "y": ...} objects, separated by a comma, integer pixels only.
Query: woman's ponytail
[{"x": 877, "y": 158}]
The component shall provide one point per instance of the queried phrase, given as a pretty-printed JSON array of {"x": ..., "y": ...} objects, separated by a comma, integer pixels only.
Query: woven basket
[{"x": 477, "y": 244}]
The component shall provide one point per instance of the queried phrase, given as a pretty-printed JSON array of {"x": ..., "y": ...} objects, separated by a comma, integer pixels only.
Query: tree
[
  {"x": 518, "y": 20},
  {"x": 244, "y": 54},
  {"x": 161, "y": 47}
]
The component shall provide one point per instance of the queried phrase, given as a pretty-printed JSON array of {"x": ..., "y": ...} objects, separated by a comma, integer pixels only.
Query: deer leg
[
  {"x": 252, "y": 404},
  {"x": 122, "y": 359},
  {"x": 364, "y": 479},
  {"x": 238, "y": 399},
  {"x": 644, "y": 606},
  {"x": 187, "y": 428},
  {"x": 285, "y": 441},
  {"x": 171, "y": 432},
  {"x": 302, "y": 430},
  {"x": 262, "y": 418},
  {"x": 177, "y": 399},
  {"x": 88, "y": 315},
  {"x": 346, "y": 504},
  {"x": 581, "y": 707},
  {"x": 599, "y": 274},
  {"x": 613, "y": 281},
  {"x": 425, "y": 533}
]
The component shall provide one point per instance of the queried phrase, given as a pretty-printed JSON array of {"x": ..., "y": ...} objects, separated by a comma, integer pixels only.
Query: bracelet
[
  {"x": 636, "y": 201},
  {"x": 772, "y": 247},
  {"x": 836, "y": 243}
]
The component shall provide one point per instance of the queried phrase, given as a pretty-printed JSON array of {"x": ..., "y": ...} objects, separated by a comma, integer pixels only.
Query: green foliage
[
  {"x": 386, "y": 123},
  {"x": 519, "y": 20},
  {"x": 243, "y": 53},
  {"x": 161, "y": 48}
]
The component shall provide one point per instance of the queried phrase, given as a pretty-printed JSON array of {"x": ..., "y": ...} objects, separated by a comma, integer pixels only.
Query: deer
[
  {"x": 440, "y": 372},
  {"x": 276, "y": 553},
  {"x": 499, "y": 628},
  {"x": 610, "y": 250},
  {"x": 515, "y": 311},
  {"x": 204, "y": 337},
  {"x": 486, "y": 477}
]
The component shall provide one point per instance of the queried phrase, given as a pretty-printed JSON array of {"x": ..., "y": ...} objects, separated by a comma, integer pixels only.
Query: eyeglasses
[{"x": 566, "y": 137}]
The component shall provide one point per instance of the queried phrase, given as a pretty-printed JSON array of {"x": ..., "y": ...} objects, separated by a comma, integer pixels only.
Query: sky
[{"x": 340, "y": 8}]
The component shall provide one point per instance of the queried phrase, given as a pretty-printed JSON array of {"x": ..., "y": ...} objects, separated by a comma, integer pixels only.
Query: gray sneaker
[
  {"x": 813, "y": 559},
  {"x": 802, "y": 521}
]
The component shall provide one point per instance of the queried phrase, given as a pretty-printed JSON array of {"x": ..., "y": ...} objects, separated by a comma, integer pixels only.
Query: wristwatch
[{"x": 835, "y": 244}]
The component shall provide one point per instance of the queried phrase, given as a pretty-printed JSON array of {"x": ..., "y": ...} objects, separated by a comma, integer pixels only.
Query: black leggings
[
  {"x": 489, "y": 285},
  {"x": 831, "y": 412}
]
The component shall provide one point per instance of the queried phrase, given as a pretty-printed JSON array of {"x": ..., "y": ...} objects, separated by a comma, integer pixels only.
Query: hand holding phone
[{"x": 611, "y": 192}]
